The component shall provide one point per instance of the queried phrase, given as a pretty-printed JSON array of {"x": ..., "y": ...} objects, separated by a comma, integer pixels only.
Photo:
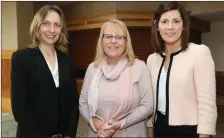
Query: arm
[
  {"x": 204, "y": 78},
  {"x": 74, "y": 103},
  {"x": 149, "y": 123},
  {"x": 83, "y": 101},
  {"x": 146, "y": 100},
  {"x": 19, "y": 90}
]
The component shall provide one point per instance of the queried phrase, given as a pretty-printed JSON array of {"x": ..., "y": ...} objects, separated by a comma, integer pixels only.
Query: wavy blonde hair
[
  {"x": 38, "y": 19},
  {"x": 128, "y": 51}
]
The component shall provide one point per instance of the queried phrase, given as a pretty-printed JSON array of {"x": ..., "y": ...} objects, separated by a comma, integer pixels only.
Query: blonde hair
[
  {"x": 128, "y": 52},
  {"x": 38, "y": 19}
]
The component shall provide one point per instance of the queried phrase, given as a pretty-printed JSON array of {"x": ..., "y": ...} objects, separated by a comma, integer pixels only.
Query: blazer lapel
[
  {"x": 60, "y": 66},
  {"x": 43, "y": 69}
]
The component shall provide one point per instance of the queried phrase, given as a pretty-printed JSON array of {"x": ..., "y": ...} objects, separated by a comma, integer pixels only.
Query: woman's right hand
[
  {"x": 106, "y": 131},
  {"x": 97, "y": 123},
  {"x": 150, "y": 132}
]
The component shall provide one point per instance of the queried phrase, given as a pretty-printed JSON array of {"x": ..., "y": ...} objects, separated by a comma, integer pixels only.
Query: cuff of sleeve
[
  {"x": 122, "y": 123},
  {"x": 149, "y": 122},
  {"x": 208, "y": 131},
  {"x": 92, "y": 125}
]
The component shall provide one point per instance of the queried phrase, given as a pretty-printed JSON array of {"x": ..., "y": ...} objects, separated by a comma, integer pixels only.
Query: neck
[
  {"x": 47, "y": 50},
  {"x": 113, "y": 60},
  {"x": 172, "y": 48}
]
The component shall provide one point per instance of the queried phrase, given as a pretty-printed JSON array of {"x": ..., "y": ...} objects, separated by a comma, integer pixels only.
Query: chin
[{"x": 170, "y": 42}]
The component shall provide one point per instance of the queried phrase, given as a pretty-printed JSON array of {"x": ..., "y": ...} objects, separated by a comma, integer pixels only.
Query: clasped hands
[{"x": 105, "y": 129}]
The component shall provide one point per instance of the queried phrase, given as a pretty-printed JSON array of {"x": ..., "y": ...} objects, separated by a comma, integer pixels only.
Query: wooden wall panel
[
  {"x": 220, "y": 83},
  {"x": 82, "y": 46},
  {"x": 6, "y": 81},
  {"x": 220, "y": 87},
  {"x": 83, "y": 43},
  {"x": 141, "y": 42},
  {"x": 6, "y": 84}
]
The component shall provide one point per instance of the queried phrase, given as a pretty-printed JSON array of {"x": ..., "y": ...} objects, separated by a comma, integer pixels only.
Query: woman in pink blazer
[{"x": 183, "y": 78}]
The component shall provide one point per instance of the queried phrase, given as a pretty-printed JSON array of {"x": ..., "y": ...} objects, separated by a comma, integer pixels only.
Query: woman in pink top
[
  {"x": 183, "y": 78},
  {"x": 116, "y": 96}
]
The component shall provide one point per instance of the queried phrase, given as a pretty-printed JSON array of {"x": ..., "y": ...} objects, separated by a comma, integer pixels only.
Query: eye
[
  {"x": 176, "y": 21},
  {"x": 107, "y": 36},
  {"x": 120, "y": 37},
  {"x": 164, "y": 21},
  {"x": 58, "y": 25},
  {"x": 46, "y": 23}
]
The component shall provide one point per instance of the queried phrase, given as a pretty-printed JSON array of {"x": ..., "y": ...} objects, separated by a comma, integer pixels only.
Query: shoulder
[
  {"x": 139, "y": 63},
  {"x": 152, "y": 57},
  {"x": 21, "y": 54},
  {"x": 139, "y": 66},
  {"x": 91, "y": 69},
  {"x": 198, "y": 49},
  {"x": 62, "y": 54}
]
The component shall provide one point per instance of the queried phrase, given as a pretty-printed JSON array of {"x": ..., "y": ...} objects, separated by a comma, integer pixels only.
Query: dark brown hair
[{"x": 156, "y": 40}]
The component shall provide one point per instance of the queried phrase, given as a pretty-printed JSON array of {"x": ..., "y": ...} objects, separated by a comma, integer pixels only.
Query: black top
[{"x": 38, "y": 106}]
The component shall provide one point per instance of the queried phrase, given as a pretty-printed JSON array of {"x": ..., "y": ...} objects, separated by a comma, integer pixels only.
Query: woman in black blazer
[{"x": 44, "y": 90}]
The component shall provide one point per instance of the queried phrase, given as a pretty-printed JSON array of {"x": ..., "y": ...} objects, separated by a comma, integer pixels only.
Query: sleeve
[
  {"x": 146, "y": 100},
  {"x": 149, "y": 122},
  {"x": 19, "y": 91},
  {"x": 83, "y": 100},
  {"x": 74, "y": 103},
  {"x": 205, "y": 85}
]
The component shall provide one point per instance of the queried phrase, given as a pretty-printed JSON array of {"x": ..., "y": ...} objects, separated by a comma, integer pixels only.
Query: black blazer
[{"x": 38, "y": 106}]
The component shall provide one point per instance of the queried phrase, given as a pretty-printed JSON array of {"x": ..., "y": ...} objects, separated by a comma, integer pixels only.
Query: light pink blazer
[{"x": 192, "y": 88}]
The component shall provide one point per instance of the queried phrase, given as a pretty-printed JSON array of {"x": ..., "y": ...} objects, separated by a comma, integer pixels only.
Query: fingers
[
  {"x": 106, "y": 132},
  {"x": 102, "y": 133}
]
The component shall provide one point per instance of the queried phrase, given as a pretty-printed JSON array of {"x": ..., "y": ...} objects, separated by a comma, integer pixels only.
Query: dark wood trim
[{"x": 220, "y": 73}]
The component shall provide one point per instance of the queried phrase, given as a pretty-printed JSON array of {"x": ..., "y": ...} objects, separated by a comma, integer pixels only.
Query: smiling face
[
  {"x": 50, "y": 29},
  {"x": 170, "y": 27},
  {"x": 113, "y": 43}
]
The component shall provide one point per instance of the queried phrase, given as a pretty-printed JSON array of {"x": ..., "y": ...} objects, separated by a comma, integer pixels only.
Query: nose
[
  {"x": 52, "y": 29},
  {"x": 113, "y": 40},
  {"x": 170, "y": 26}
]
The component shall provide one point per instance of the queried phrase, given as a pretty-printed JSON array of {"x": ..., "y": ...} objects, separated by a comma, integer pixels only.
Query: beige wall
[
  {"x": 84, "y": 8},
  {"x": 204, "y": 7},
  {"x": 9, "y": 26},
  {"x": 215, "y": 41},
  {"x": 16, "y": 19},
  {"x": 137, "y": 5},
  {"x": 24, "y": 16}
]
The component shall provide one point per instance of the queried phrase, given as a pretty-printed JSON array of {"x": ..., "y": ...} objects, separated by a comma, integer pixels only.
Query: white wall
[
  {"x": 215, "y": 41},
  {"x": 9, "y": 26}
]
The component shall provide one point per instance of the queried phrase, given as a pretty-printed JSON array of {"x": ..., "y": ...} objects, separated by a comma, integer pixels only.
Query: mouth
[
  {"x": 50, "y": 36},
  {"x": 113, "y": 47},
  {"x": 170, "y": 34}
]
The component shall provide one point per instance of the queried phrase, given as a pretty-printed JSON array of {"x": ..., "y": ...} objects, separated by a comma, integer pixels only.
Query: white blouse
[
  {"x": 54, "y": 71},
  {"x": 162, "y": 92}
]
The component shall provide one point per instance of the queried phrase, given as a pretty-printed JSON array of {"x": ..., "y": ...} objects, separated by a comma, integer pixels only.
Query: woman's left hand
[
  {"x": 105, "y": 131},
  {"x": 109, "y": 129}
]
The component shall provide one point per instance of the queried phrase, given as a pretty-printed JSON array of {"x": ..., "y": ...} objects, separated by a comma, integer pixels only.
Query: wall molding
[
  {"x": 7, "y": 54},
  {"x": 220, "y": 73},
  {"x": 96, "y": 20},
  {"x": 130, "y": 18}
]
